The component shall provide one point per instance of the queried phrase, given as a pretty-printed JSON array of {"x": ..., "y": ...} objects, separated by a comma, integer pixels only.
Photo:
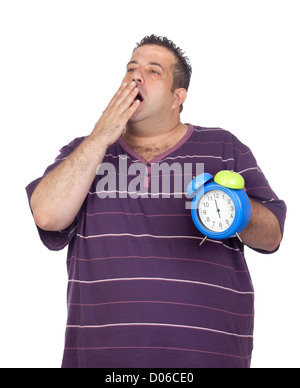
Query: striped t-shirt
[{"x": 141, "y": 291}]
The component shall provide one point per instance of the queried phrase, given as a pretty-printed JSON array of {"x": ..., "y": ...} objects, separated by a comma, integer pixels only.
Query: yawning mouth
[{"x": 139, "y": 97}]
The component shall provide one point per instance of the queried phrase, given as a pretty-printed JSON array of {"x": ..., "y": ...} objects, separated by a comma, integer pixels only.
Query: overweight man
[{"x": 141, "y": 291}]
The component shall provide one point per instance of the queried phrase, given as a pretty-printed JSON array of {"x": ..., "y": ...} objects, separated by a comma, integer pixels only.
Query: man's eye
[
  {"x": 153, "y": 72},
  {"x": 130, "y": 70}
]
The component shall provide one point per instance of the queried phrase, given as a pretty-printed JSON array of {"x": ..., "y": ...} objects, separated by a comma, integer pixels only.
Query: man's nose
[
  {"x": 137, "y": 76},
  {"x": 137, "y": 80}
]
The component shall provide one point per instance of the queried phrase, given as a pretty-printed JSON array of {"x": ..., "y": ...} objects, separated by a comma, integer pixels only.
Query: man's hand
[
  {"x": 113, "y": 120},
  {"x": 263, "y": 230}
]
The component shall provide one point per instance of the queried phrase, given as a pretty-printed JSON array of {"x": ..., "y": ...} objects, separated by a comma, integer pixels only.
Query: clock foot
[
  {"x": 203, "y": 241},
  {"x": 239, "y": 237}
]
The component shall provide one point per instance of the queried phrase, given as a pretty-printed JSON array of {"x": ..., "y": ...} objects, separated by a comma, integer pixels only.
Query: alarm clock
[{"x": 220, "y": 208}]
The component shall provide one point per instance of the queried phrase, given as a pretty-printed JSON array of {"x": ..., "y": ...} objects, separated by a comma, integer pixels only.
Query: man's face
[{"x": 151, "y": 68}]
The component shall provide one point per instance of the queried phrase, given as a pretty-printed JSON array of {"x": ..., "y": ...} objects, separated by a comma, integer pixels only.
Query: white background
[{"x": 61, "y": 62}]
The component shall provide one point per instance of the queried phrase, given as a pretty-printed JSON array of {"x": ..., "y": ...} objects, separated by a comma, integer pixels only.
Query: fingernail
[
  {"x": 132, "y": 83},
  {"x": 124, "y": 84}
]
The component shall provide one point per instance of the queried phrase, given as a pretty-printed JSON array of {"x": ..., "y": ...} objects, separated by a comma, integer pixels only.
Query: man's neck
[
  {"x": 138, "y": 134},
  {"x": 150, "y": 145}
]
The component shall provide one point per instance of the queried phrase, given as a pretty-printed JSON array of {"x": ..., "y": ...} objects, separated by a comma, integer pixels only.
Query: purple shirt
[{"x": 141, "y": 291}]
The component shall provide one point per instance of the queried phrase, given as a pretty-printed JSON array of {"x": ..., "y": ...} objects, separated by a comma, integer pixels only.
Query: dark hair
[{"x": 182, "y": 70}]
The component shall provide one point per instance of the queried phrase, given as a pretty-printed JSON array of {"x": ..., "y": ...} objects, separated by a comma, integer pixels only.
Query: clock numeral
[{"x": 216, "y": 211}]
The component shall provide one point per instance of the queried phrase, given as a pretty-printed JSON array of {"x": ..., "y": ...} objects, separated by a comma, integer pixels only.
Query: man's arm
[
  {"x": 263, "y": 231},
  {"x": 59, "y": 196}
]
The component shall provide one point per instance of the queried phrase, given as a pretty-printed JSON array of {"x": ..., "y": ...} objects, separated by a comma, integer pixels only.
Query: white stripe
[
  {"x": 159, "y": 324},
  {"x": 173, "y": 158},
  {"x": 209, "y": 129},
  {"x": 270, "y": 200},
  {"x": 73, "y": 230},
  {"x": 136, "y": 235},
  {"x": 122, "y": 156},
  {"x": 161, "y": 279},
  {"x": 152, "y": 236},
  {"x": 135, "y": 193},
  {"x": 249, "y": 169},
  {"x": 199, "y": 156}
]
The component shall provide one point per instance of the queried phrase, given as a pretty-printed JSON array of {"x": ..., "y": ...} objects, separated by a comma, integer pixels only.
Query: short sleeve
[
  {"x": 257, "y": 185},
  {"x": 56, "y": 241}
]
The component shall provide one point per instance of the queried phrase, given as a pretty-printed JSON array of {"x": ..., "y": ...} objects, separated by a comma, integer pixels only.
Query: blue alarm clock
[{"x": 220, "y": 208}]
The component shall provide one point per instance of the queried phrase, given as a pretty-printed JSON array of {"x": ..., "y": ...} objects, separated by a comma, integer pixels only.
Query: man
[{"x": 142, "y": 292}]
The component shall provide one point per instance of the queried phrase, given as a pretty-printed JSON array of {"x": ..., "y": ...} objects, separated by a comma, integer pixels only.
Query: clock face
[{"x": 216, "y": 211}]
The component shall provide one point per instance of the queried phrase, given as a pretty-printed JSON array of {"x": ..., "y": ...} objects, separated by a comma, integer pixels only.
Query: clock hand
[{"x": 218, "y": 210}]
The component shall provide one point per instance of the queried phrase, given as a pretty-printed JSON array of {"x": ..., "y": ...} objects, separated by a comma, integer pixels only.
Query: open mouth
[{"x": 139, "y": 97}]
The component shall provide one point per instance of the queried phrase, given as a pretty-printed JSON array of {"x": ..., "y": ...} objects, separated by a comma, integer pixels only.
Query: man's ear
[{"x": 180, "y": 95}]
